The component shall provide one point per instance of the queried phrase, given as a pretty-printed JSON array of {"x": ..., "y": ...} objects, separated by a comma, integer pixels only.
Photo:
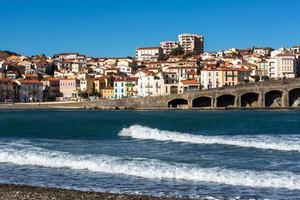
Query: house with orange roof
[{"x": 188, "y": 86}]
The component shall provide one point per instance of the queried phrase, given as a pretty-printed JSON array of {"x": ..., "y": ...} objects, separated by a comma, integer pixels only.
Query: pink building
[{"x": 67, "y": 87}]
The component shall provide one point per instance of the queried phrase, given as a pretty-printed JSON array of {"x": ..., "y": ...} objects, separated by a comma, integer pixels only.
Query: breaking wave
[
  {"x": 287, "y": 143},
  {"x": 148, "y": 168}
]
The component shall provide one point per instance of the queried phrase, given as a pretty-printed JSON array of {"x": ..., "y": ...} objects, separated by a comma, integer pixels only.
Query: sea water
[{"x": 199, "y": 154}]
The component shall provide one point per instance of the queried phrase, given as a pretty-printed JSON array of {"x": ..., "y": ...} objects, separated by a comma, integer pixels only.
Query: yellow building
[
  {"x": 107, "y": 93},
  {"x": 234, "y": 76},
  {"x": 100, "y": 83}
]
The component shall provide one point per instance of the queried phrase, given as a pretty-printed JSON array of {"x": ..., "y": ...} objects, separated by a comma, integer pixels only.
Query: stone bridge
[{"x": 267, "y": 94}]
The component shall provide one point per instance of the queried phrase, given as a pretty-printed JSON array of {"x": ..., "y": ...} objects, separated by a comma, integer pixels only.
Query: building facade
[
  {"x": 282, "y": 66},
  {"x": 152, "y": 54},
  {"x": 6, "y": 89},
  {"x": 191, "y": 43},
  {"x": 28, "y": 90},
  {"x": 168, "y": 46}
]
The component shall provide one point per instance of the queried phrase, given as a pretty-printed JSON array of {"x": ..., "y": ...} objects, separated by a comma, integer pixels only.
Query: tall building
[
  {"x": 168, "y": 46},
  {"x": 191, "y": 43}
]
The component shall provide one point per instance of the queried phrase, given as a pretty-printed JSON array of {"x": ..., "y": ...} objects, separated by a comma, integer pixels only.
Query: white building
[
  {"x": 152, "y": 54},
  {"x": 282, "y": 66},
  {"x": 263, "y": 51},
  {"x": 125, "y": 67},
  {"x": 211, "y": 78},
  {"x": 191, "y": 43},
  {"x": 150, "y": 84},
  {"x": 168, "y": 46}
]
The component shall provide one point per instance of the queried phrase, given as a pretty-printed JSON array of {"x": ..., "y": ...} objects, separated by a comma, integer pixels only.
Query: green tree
[{"x": 177, "y": 51}]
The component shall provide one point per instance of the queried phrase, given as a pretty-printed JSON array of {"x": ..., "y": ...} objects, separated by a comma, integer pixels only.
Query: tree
[
  {"x": 177, "y": 51},
  {"x": 83, "y": 94}
]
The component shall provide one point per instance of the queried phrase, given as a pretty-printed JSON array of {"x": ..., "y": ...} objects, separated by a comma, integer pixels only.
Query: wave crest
[
  {"x": 259, "y": 142},
  {"x": 152, "y": 169}
]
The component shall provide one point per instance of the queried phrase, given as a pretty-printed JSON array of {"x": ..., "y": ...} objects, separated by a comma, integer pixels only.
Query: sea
[{"x": 196, "y": 154}]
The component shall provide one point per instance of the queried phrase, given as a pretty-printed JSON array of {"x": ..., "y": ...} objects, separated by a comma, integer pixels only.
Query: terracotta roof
[
  {"x": 285, "y": 54},
  {"x": 192, "y": 73},
  {"x": 30, "y": 82},
  {"x": 189, "y": 82},
  {"x": 5, "y": 80},
  {"x": 31, "y": 75}
]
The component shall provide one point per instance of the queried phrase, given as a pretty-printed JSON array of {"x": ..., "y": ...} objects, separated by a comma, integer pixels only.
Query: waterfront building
[
  {"x": 67, "y": 87},
  {"x": 125, "y": 87},
  {"x": 282, "y": 65},
  {"x": 107, "y": 93},
  {"x": 99, "y": 84},
  {"x": 87, "y": 85},
  {"x": 152, "y": 54},
  {"x": 191, "y": 43},
  {"x": 188, "y": 86},
  {"x": 6, "y": 89},
  {"x": 235, "y": 76},
  {"x": 225, "y": 76},
  {"x": 168, "y": 46},
  {"x": 51, "y": 88},
  {"x": 28, "y": 90},
  {"x": 150, "y": 84},
  {"x": 211, "y": 78}
]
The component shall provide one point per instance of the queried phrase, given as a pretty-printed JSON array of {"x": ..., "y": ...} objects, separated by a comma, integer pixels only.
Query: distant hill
[{"x": 5, "y": 54}]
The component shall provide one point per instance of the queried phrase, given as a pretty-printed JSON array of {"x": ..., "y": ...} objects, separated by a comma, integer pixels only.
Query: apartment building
[
  {"x": 68, "y": 87},
  {"x": 219, "y": 77},
  {"x": 152, "y": 54},
  {"x": 125, "y": 87},
  {"x": 28, "y": 90},
  {"x": 168, "y": 46},
  {"x": 282, "y": 65},
  {"x": 191, "y": 43}
]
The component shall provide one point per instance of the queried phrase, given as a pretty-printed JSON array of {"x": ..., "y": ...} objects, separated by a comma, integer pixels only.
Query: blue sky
[{"x": 116, "y": 28}]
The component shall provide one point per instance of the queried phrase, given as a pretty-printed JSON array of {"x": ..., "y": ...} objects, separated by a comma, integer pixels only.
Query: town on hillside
[{"x": 173, "y": 67}]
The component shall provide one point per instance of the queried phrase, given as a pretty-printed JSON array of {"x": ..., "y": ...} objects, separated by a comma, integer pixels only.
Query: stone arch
[
  {"x": 178, "y": 103},
  {"x": 250, "y": 99},
  {"x": 202, "y": 102},
  {"x": 226, "y": 100},
  {"x": 294, "y": 97},
  {"x": 274, "y": 98}
]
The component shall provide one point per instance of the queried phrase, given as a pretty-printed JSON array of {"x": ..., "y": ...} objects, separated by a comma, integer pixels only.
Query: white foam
[
  {"x": 152, "y": 169},
  {"x": 259, "y": 142}
]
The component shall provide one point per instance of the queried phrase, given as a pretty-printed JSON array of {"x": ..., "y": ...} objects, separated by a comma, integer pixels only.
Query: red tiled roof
[
  {"x": 30, "y": 82},
  {"x": 189, "y": 82}
]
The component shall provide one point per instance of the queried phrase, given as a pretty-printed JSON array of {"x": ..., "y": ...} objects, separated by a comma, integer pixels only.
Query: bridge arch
[
  {"x": 274, "y": 98},
  {"x": 202, "y": 102},
  {"x": 178, "y": 103},
  {"x": 250, "y": 99},
  {"x": 294, "y": 97},
  {"x": 226, "y": 100}
]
